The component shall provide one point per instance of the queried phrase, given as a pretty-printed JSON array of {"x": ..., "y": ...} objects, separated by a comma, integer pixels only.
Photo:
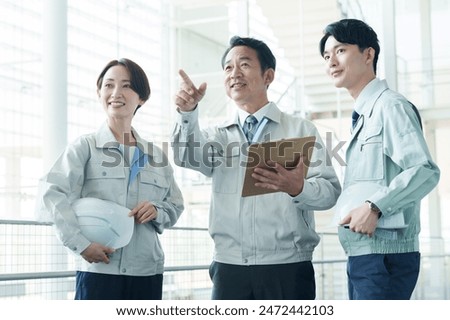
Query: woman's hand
[
  {"x": 96, "y": 253},
  {"x": 144, "y": 212}
]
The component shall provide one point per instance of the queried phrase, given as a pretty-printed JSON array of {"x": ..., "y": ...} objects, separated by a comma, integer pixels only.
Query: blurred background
[{"x": 53, "y": 50}]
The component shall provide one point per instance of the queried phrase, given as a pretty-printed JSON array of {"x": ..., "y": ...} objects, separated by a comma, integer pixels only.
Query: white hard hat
[
  {"x": 104, "y": 221},
  {"x": 354, "y": 196}
]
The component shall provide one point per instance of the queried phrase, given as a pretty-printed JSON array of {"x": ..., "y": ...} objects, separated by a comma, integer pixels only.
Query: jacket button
[
  {"x": 104, "y": 173},
  {"x": 124, "y": 270}
]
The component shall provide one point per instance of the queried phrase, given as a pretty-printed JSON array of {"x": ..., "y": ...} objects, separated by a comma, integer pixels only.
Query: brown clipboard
[{"x": 286, "y": 152}]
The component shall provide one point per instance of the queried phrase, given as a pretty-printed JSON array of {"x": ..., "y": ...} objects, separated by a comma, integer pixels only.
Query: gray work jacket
[
  {"x": 272, "y": 228},
  {"x": 94, "y": 166}
]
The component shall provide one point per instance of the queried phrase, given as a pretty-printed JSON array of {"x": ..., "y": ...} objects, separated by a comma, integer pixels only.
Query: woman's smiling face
[{"x": 119, "y": 100}]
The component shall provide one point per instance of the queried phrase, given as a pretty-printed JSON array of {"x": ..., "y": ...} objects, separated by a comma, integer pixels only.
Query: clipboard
[{"x": 286, "y": 152}]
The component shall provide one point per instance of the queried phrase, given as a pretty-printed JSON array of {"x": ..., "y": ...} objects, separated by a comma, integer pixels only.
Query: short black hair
[
  {"x": 138, "y": 78},
  {"x": 352, "y": 31},
  {"x": 265, "y": 55}
]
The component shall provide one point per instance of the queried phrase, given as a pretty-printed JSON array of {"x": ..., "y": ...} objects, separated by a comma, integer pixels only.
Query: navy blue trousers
[
  {"x": 293, "y": 281},
  {"x": 383, "y": 276},
  {"x": 99, "y": 286}
]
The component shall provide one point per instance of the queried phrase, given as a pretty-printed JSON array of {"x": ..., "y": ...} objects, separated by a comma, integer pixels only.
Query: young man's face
[
  {"x": 347, "y": 66},
  {"x": 244, "y": 81}
]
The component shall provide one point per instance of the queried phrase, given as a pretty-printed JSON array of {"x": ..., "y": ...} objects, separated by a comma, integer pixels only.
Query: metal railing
[{"x": 184, "y": 278}]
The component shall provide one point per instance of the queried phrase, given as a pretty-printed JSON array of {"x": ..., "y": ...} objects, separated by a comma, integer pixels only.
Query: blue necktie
[
  {"x": 355, "y": 116},
  {"x": 250, "y": 127},
  {"x": 137, "y": 164}
]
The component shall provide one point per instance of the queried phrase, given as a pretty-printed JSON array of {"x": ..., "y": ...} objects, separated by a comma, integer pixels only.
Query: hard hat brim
[{"x": 104, "y": 221}]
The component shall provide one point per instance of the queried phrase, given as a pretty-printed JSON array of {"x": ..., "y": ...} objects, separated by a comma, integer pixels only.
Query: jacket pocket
[
  {"x": 103, "y": 182},
  {"x": 152, "y": 186},
  {"x": 96, "y": 171},
  {"x": 226, "y": 171},
  {"x": 369, "y": 158}
]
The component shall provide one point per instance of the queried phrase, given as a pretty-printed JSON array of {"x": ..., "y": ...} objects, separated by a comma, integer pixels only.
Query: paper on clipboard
[{"x": 286, "y": 152}]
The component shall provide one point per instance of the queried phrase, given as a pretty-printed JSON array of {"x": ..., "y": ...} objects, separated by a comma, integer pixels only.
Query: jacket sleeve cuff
[
  {"x": 302, "y": 196},
  {"x": 78, "y": 244}
]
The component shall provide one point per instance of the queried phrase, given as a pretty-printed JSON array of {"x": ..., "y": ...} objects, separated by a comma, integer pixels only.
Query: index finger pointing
[{"x": 185, "y": 77}]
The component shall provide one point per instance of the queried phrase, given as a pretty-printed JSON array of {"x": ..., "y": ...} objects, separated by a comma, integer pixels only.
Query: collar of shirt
[
  {"x": 368, "y": 96},
  {"x": 271, "y": 112},
  {"x": 259, "y": 115},
  {"x": 105, "y": 139}
]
